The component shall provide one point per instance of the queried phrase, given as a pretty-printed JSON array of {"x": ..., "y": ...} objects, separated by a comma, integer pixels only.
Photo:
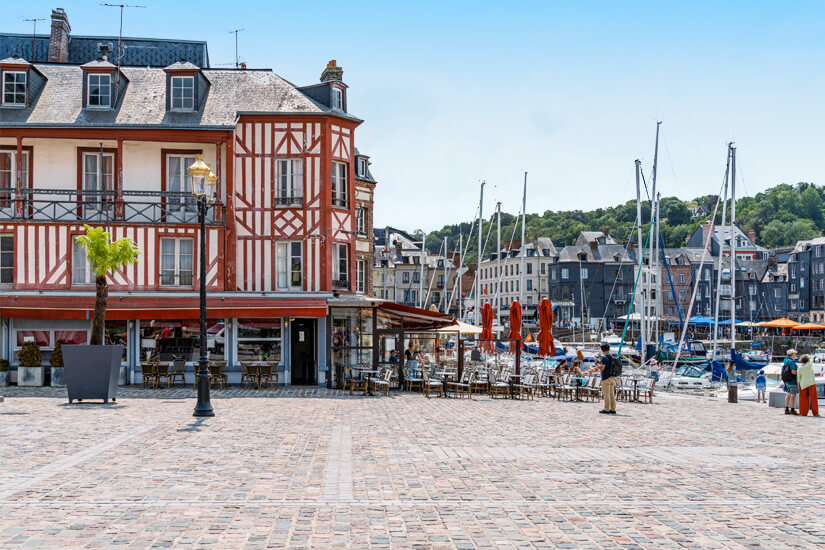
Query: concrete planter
[
  {"x": 4, "y": 378},
  {"x": 92, "y": 372},
  {"x": 31, "y": 376},
  {"x": 58, "y": 377}
]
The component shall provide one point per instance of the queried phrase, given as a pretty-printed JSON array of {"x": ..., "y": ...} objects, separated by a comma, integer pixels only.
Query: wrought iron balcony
[
  {"x": 341, "y": 283},
  {"x": 74, "y": 205},
  {"x": 289, "y": 202}
]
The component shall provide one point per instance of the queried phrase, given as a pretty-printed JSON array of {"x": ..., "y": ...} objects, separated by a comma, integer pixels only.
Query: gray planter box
[
  {"x": 92, "y": 372},
  {"x": 4, "y": 378},
  {"x": 31, "y": 376},
  {"x": 58, "y": 377}
]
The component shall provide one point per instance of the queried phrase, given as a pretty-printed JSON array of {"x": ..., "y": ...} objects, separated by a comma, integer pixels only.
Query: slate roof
[
  {"x": 139, "y": 52},
  {"x": 590, "y": 236},
  {"x": 368, "y": 177},
  {"x": 607, "y": 253},
  {"x": 143, "y": 103}
]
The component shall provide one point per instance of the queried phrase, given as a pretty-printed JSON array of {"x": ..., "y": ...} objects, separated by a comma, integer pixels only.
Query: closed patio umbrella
[
  {"x": 487, "y": 327},
  {"x": 545, "y": 337},
  {"x": 515, "y": 326}
]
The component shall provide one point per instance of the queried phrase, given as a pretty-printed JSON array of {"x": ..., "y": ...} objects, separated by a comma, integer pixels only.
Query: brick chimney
[
  {"x": 332, "y": 73},
  {"x": 59, "y": 39},
  {"x": 687, "y": 238},
  {"x": 705, "y": 231},
  {"x": 752, "y": 236}
]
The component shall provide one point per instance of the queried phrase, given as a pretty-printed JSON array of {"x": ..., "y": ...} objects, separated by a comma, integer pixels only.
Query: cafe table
[{"x": 365, "y": 374}]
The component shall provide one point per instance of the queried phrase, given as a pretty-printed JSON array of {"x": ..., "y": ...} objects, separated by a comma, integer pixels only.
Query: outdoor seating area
[{"x": 158, "y": 374}]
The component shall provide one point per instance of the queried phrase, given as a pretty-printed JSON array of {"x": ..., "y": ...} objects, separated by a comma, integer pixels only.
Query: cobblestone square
[{"x": 302, "y": 468}]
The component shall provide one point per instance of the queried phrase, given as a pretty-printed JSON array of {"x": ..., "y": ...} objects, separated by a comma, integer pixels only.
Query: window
[
  {"x": 183, "y": 93},
  {"x": 289, "y": 264},
  {"x": 362, "y": 167},
  {"x": 440, "y": 282},
  {"x": 543, "y": 269},
  {"x": 6, "y": 259},
  {"x": 681, "y": 278},
  {"x": 340, "y": 264},
  {"x": 682, "y": 294},
  {"x": 176, "y": 262},
  {"x": 99, "y": 91},
  {"x": 361, "y": 221},
  {"x": 337, "y": 98},
  {"x": 339, "y": 184},
  {"x": 97, "y": 179},
  {"x": 753, "y": 290},
  {"x": 553, "y": 274},
  {"x": 8, "y": 174},
  {"x": 777, "y": 293},
  {"x": 178, "y": 181},
  {"x": 360, "y": 276},
  {"x": 585, "y": 273},
  {"x": 529, "y": 284},
  {"x": 14, "y": 88},
  {"x": 82, "y": 273},
  {"x": 406, "y": 277},
  {"x": 753, "y": 305},
  {"x": 529, "y": 269},
  {"x": 565, "y": 273},
  {"x": 257, "y": 339},
  {"x": 289, "y": 190},
  {"x": 416, "y": 277}
]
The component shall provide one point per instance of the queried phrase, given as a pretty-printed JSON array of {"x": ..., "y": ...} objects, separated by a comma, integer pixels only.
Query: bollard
[{"x": 733, "y": 392}]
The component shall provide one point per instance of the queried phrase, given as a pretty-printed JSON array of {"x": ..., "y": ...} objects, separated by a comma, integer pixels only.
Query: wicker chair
[
  {"x": 357, "y": 382},
  {"x": 148, "y": 373},
  {"x": 382, "y": 383},
  {"x": 217, "y": 374},
  {"x": 525, "y": 387},
  {"x": 268, "y": 373},
  {"x": 480, "y": 383},
  {"x": 592, "y": 389},
  {"x": 178, "y": 371},
  {"x": 462, "y": 387},
  {"x": 564, "y": 389},
  {"x": 500, "y": 385},
  {"x": 161, "y": 372},
  {"x": 432, "y": 386},
  {"x": 250, "y": 372},
  {"x": 412, "y": 383},
  {"x": 543, "y": 384}
]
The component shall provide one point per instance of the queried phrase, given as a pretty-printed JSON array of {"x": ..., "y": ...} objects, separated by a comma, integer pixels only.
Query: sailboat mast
[
  {"x": 458, "y": 272},
  {"x": 498, "y": 264},
  {"x": 641, "y": 310},
  {"x": 719, "y": 272},
  {"x": 523, "y": 254},
  {"x": 477, "y": 309},
  {"x": 732, "y": 248},
  {"x": 654, "y": 242},
  {"x": 421, "y": 279}
]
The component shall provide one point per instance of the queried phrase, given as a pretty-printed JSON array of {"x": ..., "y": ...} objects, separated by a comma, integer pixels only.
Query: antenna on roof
[
  {"x": 236, "y": 31},
  {"x": 34, "y": 32},
  {"x": 120, "y": 35}
]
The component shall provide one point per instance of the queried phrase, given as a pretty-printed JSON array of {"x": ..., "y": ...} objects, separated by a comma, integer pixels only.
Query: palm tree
[{"x": 105, "y": 256}]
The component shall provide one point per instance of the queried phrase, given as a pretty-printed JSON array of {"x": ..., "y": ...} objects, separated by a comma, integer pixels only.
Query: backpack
[
  {"x": 615, "y": 366},
  {"x": 787, "y": 375}
]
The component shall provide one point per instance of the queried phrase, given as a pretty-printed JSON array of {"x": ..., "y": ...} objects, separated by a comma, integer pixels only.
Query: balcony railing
[
  {"x": 340, "y": 283},
  {"x": 73, "y": 205},
  {"x": 289, "y": 202}
]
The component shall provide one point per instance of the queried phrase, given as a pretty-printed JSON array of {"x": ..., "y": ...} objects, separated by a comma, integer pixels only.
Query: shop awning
[
  {"x": 125, "y": 308},
  {"x": 460, "y": 327},
  {"x": 413, "y": 317}
]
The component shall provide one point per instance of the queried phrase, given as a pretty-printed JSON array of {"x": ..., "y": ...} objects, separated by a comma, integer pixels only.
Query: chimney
[
  {"x": 752, "y": 236},
  {"x": 59, "y": 39},
  {"x": 398, "y": 248},
  {"x": 687, "y": 237},
  {"x": 332, "y": 73},
  {"x": 243, "y": 66},
  {"x": 822, "y": 232},
  {"x": 706, "y": 227},
  {"x": 594, "y": 245}
]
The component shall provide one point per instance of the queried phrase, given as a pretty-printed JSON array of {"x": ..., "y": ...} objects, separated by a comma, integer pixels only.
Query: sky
[{"x": 455, "y": 93}]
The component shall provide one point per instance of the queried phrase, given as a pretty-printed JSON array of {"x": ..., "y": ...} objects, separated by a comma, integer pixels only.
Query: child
[{"x": 761, "y": 385}]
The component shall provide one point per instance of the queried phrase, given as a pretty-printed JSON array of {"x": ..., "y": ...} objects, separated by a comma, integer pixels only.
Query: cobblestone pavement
[{"x": 315, "y": 468}]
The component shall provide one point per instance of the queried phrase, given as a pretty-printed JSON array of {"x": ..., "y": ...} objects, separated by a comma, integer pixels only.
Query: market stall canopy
[
  {"x": 779, "y": 323},
  {"x": 809, "y": 326},
  {"x": 460, "y": 327}
]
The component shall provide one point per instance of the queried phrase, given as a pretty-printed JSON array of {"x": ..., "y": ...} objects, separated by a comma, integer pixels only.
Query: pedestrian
[
  {"x": 606, "y": 366},
  {"x": 576, "y": 369},
  {"x": 789, "y": 378},
  {"x": 761, "y": 385},
  {"x": 807, "y": 387},
  {"x": 654, "y": 375}
]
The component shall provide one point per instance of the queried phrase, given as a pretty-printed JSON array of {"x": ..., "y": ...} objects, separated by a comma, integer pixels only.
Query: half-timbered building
[{"x": 90, "y": 136}]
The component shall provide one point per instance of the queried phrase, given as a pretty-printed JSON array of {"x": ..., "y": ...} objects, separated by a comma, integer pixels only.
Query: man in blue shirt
[
  {"x": 605, "y": 365},
  {"x": 761, "y": 386}
]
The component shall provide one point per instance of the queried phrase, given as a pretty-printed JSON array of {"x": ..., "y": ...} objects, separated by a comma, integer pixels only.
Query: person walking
[
  {"x": 608, "y": 372},
  {"x": 654, "y": 375},
  {"x": 807, "y": 387},
  {"x": 789, "y": 378}
]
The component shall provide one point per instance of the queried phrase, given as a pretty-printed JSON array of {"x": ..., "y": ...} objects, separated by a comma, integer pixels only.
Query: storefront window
[
  {"x": 42, "y": 338},
  {"x": 352, "y": 338},
  {"x": 71, "y": 337},
  {"x": 166, "y": 340},
  {"x": 259, "y": 340},
  {"x": 116, "y": 334}
]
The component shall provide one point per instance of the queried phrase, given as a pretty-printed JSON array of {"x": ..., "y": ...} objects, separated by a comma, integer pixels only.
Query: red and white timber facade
[{"x": 112, "y": 150}]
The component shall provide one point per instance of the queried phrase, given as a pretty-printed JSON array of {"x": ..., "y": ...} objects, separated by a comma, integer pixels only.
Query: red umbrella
[
  {"x": 515, "y": 326},
  {"x": 545, "y": 337},
  {"x": 487, "y": 327}
]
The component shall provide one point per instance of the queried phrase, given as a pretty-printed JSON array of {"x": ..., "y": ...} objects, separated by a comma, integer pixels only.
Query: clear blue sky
[{"x": 456, "y": 92}]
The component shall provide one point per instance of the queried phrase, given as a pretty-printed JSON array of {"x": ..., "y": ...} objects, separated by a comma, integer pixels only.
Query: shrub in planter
[
  {"x": 5, "y": 367},
  {"x": 30, "y": 365},
  {"x": 56, "y": 361},
  {"x": 92, "y": 371}
]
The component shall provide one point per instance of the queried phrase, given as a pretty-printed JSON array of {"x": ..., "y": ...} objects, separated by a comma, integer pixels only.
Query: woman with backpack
[
  {"x": 807, "y": 387},
  {"x": 789, "y": 378}
]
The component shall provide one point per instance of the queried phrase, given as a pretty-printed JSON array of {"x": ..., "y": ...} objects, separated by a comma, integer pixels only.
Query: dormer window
[
  {"x": 338, "y": 99},
  {"x": 362, "y": 167},
  {"x": 14, "y": 88},
  {"x": 99, "y": 91},
  {"x": 183, "y": 93}
]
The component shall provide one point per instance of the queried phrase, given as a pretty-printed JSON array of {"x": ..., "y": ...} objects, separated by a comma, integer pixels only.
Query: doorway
[{"x": 302, "y": 356}]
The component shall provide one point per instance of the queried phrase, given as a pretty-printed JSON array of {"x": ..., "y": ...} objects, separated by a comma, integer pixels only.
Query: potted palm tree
[
  {"x": 92, "y": 370},
  {"x": 30, "y": 365},
  {"x": 56, "y": 361}
]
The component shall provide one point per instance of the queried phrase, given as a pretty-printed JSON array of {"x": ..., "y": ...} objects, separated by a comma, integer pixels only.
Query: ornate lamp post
[{"x": 203, "y": 188}]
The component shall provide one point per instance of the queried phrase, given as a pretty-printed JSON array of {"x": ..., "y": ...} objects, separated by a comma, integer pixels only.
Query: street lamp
[{"x": 203, "y": 188}]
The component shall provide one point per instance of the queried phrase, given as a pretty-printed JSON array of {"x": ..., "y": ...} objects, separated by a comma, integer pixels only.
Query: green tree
[
  {"x": 105, "y": 256},
  {"x": 678, "y": 214}
]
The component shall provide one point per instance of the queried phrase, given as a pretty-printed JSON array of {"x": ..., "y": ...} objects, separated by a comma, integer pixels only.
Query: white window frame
[
  {"x": 99, "y": 96},
  {"x": 289, "y": 182},
  {"x": 89, "y": 276},
  {"x": 15, "y": 93},
  {"x": 340, "y": 259},
  {"x": 6, "y": 197},
  {"x": 777, "y": 292},
  {"x": 361, "y": 221},
  {"x": 362, "y": 167},
  {"x": 177, "y": 254},
  {"x": 360, "y": 276},
  {"x": 565, "y": 273},
  {"x": 10, "y": 267},
  {"x": 187, "y": 104},
  {"x": 340, "y": 196},
  {"x": 337, "y": 98},
  {"x": 104, "y": 181},
  {"x": 289, "y": 265},
  {"x": 585, "y": 272},
  {"x": 185, "y": 186}
]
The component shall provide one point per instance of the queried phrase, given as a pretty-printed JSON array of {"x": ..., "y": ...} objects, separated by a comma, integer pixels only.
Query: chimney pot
[
  {"x": 752, "y": 236},
  {"x": 332, "y": 73},
  {"x": 60, "y": 36}
]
